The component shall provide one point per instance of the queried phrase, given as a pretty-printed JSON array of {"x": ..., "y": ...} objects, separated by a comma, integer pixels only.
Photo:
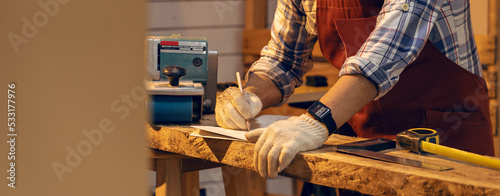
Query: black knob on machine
[
  {"x": 197, "y": 62},
  {"x": 174, "y": 73}
]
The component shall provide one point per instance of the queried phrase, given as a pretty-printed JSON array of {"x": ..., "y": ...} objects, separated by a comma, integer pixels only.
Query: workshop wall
[
  {"x": 479, "y": 16},
  {"x": 221, "y": 22},
  {"x": 73, "y": 96},
  {"x": 485, "y": 22}
]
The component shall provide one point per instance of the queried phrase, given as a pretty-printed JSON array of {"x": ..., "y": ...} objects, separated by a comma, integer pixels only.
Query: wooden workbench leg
[
  {"x": 191, "y": 184},
  {"x": 168, "y": 177},
  {"x": 257, "y": 183},
  {"x": 297, "y": 187},
  {"x": 235, "y": 181}
]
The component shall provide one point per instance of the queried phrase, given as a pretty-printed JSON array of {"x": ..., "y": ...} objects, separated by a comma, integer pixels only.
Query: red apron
[{"x": 432, "y": 92}]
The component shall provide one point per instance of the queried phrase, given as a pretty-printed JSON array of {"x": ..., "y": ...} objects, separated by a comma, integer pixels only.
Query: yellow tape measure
[
  {"x": 427, "y": 140},
  {"x": 426, "y": 134}
]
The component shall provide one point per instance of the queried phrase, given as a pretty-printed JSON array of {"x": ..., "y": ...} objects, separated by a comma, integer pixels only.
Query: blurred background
[{"x": 78, "y": 67}]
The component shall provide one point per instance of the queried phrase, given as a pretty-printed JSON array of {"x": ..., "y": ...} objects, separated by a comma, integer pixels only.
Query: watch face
[{"x": 320, "y": 111}]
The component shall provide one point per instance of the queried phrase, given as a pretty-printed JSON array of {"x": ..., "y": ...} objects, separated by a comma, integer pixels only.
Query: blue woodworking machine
[{"x": 181, "y": 79}]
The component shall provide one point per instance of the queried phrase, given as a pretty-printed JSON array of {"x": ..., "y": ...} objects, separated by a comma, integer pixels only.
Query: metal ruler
[{"x": 369, "y": 148}]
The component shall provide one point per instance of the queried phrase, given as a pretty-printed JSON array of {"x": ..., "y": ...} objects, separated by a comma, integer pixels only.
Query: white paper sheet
[
  {"x": 237, "y": 134},
  {"x": 230, "y": 134}
]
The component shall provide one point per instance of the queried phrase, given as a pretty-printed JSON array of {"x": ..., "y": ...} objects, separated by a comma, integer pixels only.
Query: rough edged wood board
[{"x": 339, "y": 170}]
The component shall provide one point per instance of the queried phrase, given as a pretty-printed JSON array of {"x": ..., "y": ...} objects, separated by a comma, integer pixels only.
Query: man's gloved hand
[
  {"x": 233, "y": 107},
  {"x": 278, "y": 144}
]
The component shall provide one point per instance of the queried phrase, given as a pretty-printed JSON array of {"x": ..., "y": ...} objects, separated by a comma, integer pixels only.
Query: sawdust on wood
[{"x": 325, "y": 167}]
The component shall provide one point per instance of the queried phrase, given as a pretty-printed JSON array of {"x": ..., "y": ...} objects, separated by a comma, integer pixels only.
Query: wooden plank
[
  {"x": 189, "y": 164},
  {"x": 191, "y": 184},
  {"x": 195, "y": 14},
  {"x": 154, "y": 153},
  {"x": 333, "y": 169},
  {"x": 486, "y": 49},
  {"x": 168, "y": 177},
  {"x": 195, "y": 164}
]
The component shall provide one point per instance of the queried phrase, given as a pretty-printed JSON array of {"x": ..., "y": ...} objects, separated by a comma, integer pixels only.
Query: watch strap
[{"x": 325, "y": 116}]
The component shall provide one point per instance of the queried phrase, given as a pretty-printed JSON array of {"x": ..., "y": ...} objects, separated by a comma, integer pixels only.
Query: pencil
[{"x": 238, "y": 78}]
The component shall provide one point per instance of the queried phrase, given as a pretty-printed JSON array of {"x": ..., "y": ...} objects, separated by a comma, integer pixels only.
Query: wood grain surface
[{"x": 339, "y": 170}]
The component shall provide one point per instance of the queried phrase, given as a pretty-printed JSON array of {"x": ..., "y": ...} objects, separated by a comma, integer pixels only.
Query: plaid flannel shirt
[{"x": 395, "y": 42}]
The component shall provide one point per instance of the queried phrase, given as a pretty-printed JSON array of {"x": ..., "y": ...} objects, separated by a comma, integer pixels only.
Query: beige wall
[
  {"x": 221, "y": 22},
  {"x": 479, "y": 16},
  {"x": 74, "y": 63}
]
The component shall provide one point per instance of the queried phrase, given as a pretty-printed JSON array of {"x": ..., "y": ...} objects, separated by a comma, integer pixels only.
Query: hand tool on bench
[
  {"x": 427, "y": 140},
  {"x": 369, "y": 149}
]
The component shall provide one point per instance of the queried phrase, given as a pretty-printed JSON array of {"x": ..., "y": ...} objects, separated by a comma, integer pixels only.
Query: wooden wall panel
[
  {"x": 185, "y": 14},
  {"x": 228, "y": 66},
  {"x": 479, "y": 16},
  {"x": 221, "y": 22},
  {"x": 486, "y": 49},
  {"x": 271, "y": 9},
  {"x": 494, "y": 27}
]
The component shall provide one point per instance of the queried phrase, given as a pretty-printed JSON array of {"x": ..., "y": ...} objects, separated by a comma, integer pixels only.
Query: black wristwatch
[{"x": 323, "y": 114}]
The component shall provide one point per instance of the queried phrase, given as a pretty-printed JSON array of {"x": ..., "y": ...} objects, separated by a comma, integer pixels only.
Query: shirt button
[{"x": 405, "y": 7}]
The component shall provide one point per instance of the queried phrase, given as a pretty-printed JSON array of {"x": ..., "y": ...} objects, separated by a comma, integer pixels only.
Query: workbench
[{"x": 323, "y": 166}]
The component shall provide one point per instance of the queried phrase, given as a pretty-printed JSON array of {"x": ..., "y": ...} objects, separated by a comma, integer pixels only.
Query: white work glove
[
  {"x": 278, "y": 144},
  {"x": 233, "y": 107}
]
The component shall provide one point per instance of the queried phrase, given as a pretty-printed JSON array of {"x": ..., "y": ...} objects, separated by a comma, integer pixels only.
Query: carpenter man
[{"x": 403, "y": 64}]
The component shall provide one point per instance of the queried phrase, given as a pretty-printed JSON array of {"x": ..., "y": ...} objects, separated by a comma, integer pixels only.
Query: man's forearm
[
  {"x": 349, "y": 94},
  {"x": 265, "y": 89}
]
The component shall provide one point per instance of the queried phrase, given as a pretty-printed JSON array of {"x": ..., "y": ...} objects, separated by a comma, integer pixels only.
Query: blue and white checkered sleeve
[
  {"x": 403, "y": 27},
  {"x": 287, "y": 56}
]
